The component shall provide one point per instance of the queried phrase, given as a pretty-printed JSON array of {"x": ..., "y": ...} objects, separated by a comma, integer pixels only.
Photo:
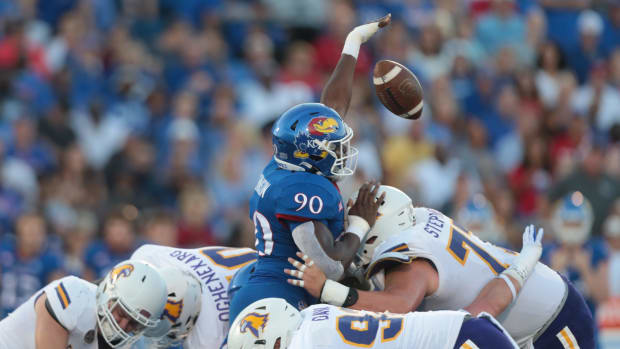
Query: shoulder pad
[
  {"x": 68, "y": 297},
  {"x": 388, "y": 254},
  {"x": 147, "y": 252}
]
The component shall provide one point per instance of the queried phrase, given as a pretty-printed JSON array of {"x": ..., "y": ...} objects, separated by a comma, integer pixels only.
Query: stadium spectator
[
  {"x": 430, "y": 57},
  {"x": 562, "y": 18},
  {"x": 548, "y": 78},
  {"x": 27, "y": 261},
  {"x": 193, "y": 227},
  {"x": 501, "y": 27},
  {"x": 531, "y": 179},
  {"x": 598, "y": 101},
  {"x": 27, "y": 147},
  {"x": 117, "y": 244},
  {"x": 160, "y": 228},
  {"x": 590, "y": 50},
  {"x": 589, "y": 178}
]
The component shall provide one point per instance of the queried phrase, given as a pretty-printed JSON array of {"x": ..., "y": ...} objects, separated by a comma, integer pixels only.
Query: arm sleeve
[{"x": 305, "y": 239}]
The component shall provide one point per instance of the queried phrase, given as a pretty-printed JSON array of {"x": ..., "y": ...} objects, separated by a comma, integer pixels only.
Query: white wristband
[
  {"x": 352, "y": 44},
  {"x": 358, "y": 226},
  {"x": 511, "y": 286},
  {"x": 334, "y": 293}
]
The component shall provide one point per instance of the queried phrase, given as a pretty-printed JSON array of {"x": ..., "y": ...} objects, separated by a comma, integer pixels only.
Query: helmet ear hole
[
  {"x": 294, "y": 125},
  {"x": 371, "y": 239}
]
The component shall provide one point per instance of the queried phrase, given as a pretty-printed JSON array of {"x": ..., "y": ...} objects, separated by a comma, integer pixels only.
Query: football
[{"x": 398, "y": 89}]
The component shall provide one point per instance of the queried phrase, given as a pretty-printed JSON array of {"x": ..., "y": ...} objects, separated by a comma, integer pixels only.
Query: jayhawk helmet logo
[
  {"x": 322, "y": 125},
  {"x": 253, "y": 322},
  {"x": 173, "y": 310},
  {"x": 121, "y": 271}
]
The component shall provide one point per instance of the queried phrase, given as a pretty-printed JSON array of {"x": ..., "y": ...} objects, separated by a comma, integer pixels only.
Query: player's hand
[
  {"x": 523, "y": 265},
  {"x": 532, "y": 241},
  {"x": 307, "y": 275},
  {"x": 365, "y": 31},
  {"x": 367, "y": 204}
]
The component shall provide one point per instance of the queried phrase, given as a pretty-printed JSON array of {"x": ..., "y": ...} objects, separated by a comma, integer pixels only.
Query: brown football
[{"x": 398, "y": 89}]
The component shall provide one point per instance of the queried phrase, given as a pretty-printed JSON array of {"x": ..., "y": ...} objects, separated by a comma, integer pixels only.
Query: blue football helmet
[
  {"x": 572, "y": 218},
  {"x": 312, "y": 137}
]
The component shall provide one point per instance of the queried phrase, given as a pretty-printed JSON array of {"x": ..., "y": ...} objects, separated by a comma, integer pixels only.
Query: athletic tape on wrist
[
  {"x": 334, "y": 293},
  {"x": 517, "y": 273},
  {"x": 511, "y": 286},
  {"x": 358, "y": 226},
  {"x": 352, "y": 44}
]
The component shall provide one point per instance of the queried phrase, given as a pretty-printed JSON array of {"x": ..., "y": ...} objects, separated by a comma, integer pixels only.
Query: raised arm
[
  {"x": 500, "y": 292},
  {"x": 338, "y": 90}
]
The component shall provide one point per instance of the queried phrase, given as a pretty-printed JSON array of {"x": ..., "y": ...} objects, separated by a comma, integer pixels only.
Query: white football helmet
[
  {"x": 181, "y": 310},
  {"x": 262, "y": 323},
  {"x": 394, "y": 216},
  {"x": 132, "y": 289}
]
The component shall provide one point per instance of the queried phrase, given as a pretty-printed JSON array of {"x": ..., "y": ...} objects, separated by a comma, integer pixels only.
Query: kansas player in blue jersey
[{"x": 296, "y": 204}]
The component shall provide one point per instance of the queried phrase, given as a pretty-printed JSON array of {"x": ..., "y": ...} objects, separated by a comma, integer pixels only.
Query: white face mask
[
  {"x": 346, "y": 156},
  {"x": 111, "y": 330}
]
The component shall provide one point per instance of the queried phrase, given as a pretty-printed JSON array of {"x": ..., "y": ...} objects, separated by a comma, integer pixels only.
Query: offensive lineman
[
  {"x": 213, "y": 267},
  {"x": 273, "y": 323},
  {"x": 426, "y": 262},
  {"x": 74, "y": 313},
  {"x": 296, "y": 204}
]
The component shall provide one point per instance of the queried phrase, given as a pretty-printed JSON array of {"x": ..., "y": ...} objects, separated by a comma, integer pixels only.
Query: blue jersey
[
  {"x": 100, "y": 259},
  {"x": 283, "y": 199},
  {"x": 21, "y": 278},
  {"x": 598, "y": 250}
]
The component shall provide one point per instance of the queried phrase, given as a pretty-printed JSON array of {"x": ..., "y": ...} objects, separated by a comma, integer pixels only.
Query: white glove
[
  {"x": 524, "y": 263},
  {"x": 361, "y": 34}
]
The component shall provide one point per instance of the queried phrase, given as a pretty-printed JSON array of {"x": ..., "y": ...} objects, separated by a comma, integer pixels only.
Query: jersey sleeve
[
  {"x": 313, "y": 201},
  {"x": 67, "y": 298}
]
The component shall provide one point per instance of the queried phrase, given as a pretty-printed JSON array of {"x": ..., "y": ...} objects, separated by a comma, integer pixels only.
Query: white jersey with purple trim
[
  {"x": 214, "y": 266},
  {"x": 463, "y": 274},
  {"x": 330, "y": 327},
  {"x": 73, "y": 303}
]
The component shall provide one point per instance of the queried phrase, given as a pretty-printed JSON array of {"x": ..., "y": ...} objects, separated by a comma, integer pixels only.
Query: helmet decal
[
  {"x": 253, "y": 322},
  {"x": 172, "y": 310},
  {"x": 300, "y": 154},
  {"x": 121, "y": 271},
  {"x": 322, "y": 125}
]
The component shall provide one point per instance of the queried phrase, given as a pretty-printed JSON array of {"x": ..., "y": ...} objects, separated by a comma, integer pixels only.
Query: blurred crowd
[{"x": 132, "y": 121}]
